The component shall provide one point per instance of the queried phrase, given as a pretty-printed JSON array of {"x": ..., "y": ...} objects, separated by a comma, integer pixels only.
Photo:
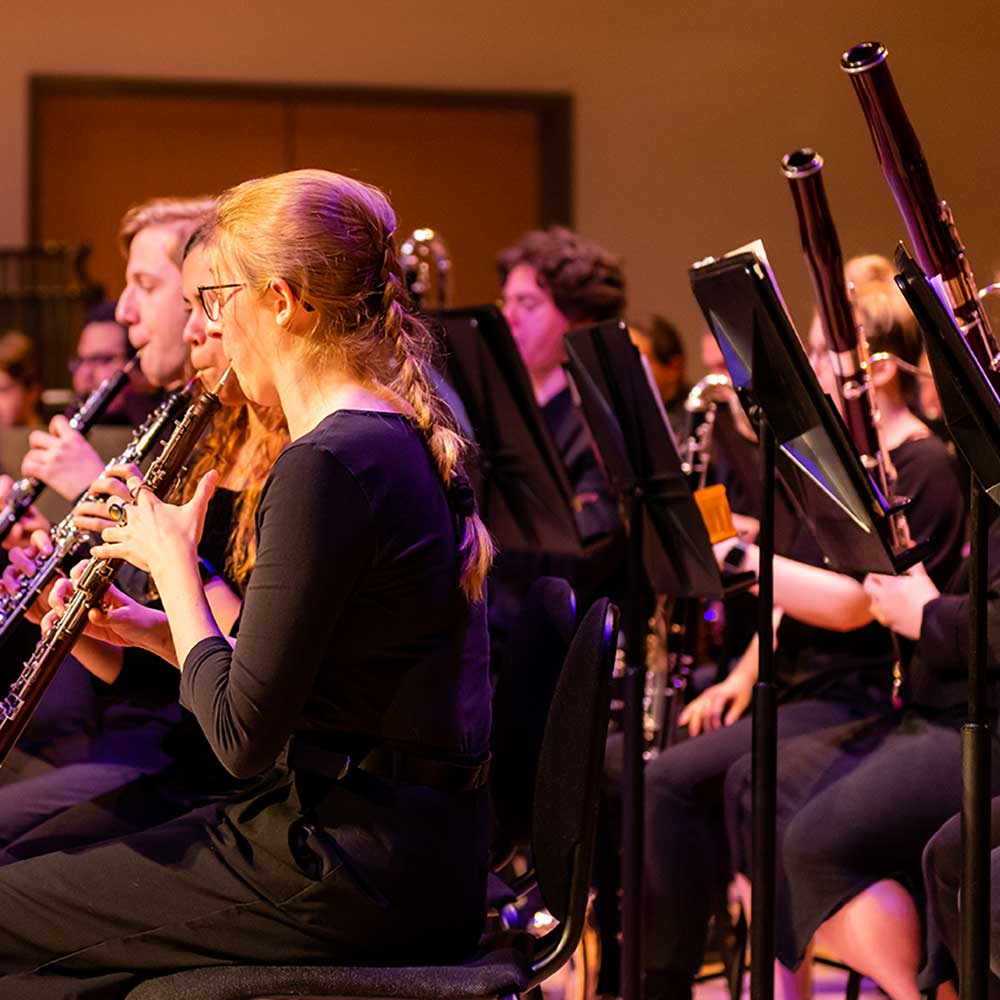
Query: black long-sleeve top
[
  {"x": 353, "y": 626},
  {"x": 815, "y": 661},
  {"x": 940, "y": 664}
]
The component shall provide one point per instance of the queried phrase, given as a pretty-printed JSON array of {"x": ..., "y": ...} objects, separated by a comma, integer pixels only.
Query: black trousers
[
  {"x": 942, "y": 880},
  {"x": 686, "y": 856},
  {"x": 369, "y": 873}
]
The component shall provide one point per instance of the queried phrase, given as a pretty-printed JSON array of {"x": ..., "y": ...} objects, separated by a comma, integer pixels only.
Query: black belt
[{"x": 395, "y": 766}]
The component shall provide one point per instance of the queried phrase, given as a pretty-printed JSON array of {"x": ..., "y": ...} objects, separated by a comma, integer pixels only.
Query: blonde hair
[
  {"x": 182, "y": 215},
  {"x": 231, "y": 437},
  {"x": 886, "y": 319},
  {"x": 330, "y": 238},
  {"x": 868, "y": 267}
]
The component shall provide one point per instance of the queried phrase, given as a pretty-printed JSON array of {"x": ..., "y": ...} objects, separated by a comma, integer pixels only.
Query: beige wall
[{"x": 683, "y": 110}]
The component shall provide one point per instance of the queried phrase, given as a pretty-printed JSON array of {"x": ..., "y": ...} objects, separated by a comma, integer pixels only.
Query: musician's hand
[
  {"x": 747, "y": 527},
  {"x": 92, "y": 515},
  {"x": 121, "y": 621},
  {"x": 30, "y": 521},
  {"x": 62, "y": 459},
  {"x": 155, "y": 533},
  {"x": 898, "y": 602},
  {"x": 720, "y": 705},
  {"x": 22, "y": 565}
]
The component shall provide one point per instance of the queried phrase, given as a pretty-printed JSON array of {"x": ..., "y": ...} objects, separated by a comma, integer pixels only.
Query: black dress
[
  {"x": 857, "y": 803},
  {"x": 354, "y": 635},
  {"x": 825, "y": 679}
]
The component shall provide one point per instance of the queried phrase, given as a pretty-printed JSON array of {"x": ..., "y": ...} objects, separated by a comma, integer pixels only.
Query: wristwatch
[{"x": 733, "y": 560}]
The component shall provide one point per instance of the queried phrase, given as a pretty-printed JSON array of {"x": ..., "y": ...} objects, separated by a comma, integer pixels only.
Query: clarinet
[
  {"x": 821, "y": 248},
  {"x": 937, "y": 246},
  {"x": 26, "y": 490},
  {"x": 66, "y": 537},
  {"x": 98, "y": 575}
]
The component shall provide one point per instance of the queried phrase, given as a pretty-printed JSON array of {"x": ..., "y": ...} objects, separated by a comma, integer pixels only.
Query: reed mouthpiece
[{"x": 223, "y": 379}]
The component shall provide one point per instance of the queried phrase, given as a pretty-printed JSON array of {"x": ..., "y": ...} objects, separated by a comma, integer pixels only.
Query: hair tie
[{"x": 461, "y": 498}]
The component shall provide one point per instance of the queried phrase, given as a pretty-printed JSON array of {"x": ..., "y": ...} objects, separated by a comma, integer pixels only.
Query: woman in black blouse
[
  {"x": 833, "y": 666},
  {"x": 356, "y": 692}
]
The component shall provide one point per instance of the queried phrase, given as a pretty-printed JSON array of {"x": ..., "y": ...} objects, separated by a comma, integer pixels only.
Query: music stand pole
[
  {"x": 976, "y": 738},
  {"x": 765, "y": 742},
  {"x": 633, "y": 804}
]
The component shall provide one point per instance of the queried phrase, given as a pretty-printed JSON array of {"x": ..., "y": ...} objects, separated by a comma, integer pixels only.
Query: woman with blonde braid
[{"x": 356, "y": 692}]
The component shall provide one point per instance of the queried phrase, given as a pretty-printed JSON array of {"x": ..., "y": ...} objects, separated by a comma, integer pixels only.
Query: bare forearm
[
  {"x": 816, "y": 596},
  {"x": 820, "y": 597}
]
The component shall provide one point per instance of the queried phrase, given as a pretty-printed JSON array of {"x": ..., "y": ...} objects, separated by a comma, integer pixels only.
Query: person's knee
[
  {"x": 942, "y": 858},
  {"x": 670, "y": 782}
]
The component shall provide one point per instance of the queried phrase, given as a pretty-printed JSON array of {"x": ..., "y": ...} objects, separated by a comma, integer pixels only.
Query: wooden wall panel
[
  {"x": 471, "y": 173},
  {"x": 480, "y": 168},
  {"x": 96, "y": 154}
]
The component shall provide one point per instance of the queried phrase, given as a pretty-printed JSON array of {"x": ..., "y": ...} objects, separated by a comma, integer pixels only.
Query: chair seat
[{"x": 498, "y": 973}]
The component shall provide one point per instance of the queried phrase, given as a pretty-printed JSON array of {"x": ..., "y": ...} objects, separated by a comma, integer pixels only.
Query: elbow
[
  {"x": 242, "y": 755},
  {"x": 243, "y": 764},
  {"x": 852, "y": 620}
]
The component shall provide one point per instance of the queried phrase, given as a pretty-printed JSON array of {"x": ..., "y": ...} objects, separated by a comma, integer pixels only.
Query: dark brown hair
[{"x": 586, "y": 282}]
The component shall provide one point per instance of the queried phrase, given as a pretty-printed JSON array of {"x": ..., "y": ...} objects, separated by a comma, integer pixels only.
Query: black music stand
[
  {"x": 520, "y": 482},
  {"x": 971, "y": 410},
  {"x": 826, "y": 481},
  {"x": 668, "y": 545}
]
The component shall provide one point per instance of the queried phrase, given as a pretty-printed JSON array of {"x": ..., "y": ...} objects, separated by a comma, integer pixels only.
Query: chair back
[
  {"x": 525, "y": 685},
  {"x": 568, "y": 781}
]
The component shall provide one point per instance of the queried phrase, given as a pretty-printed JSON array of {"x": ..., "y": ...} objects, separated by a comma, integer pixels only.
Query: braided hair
[{"x": 330, "y": 238}]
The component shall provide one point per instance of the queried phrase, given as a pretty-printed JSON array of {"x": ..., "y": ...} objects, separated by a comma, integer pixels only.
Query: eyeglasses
[
  {"x": 212, "y": 302},
  {"x": 93, "y": 360}
]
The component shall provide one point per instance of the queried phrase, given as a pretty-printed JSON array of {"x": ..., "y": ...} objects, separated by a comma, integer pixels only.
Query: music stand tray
[{"x": 840, "y": 503}]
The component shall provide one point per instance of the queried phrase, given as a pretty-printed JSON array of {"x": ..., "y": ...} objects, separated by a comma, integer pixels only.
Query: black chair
[
  {"x": 525, "y": 682},
  {"x": 564, "y": 827}
]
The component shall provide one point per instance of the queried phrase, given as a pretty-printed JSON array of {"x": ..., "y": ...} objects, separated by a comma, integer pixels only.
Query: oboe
[
  {"x": 937, "y": 246},
  {"x": 66, "y": 537},
  {"x": 97, "y": 576},
  {"x": 821, "y": 248},
  {"x": 27, "y": 489}
]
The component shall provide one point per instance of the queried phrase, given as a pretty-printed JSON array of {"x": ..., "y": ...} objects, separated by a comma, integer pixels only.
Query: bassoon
[
  {"x": 846, "y": 338},
  {"x": 930, "y": 225},
  {"x": 97, "y": 576}
]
